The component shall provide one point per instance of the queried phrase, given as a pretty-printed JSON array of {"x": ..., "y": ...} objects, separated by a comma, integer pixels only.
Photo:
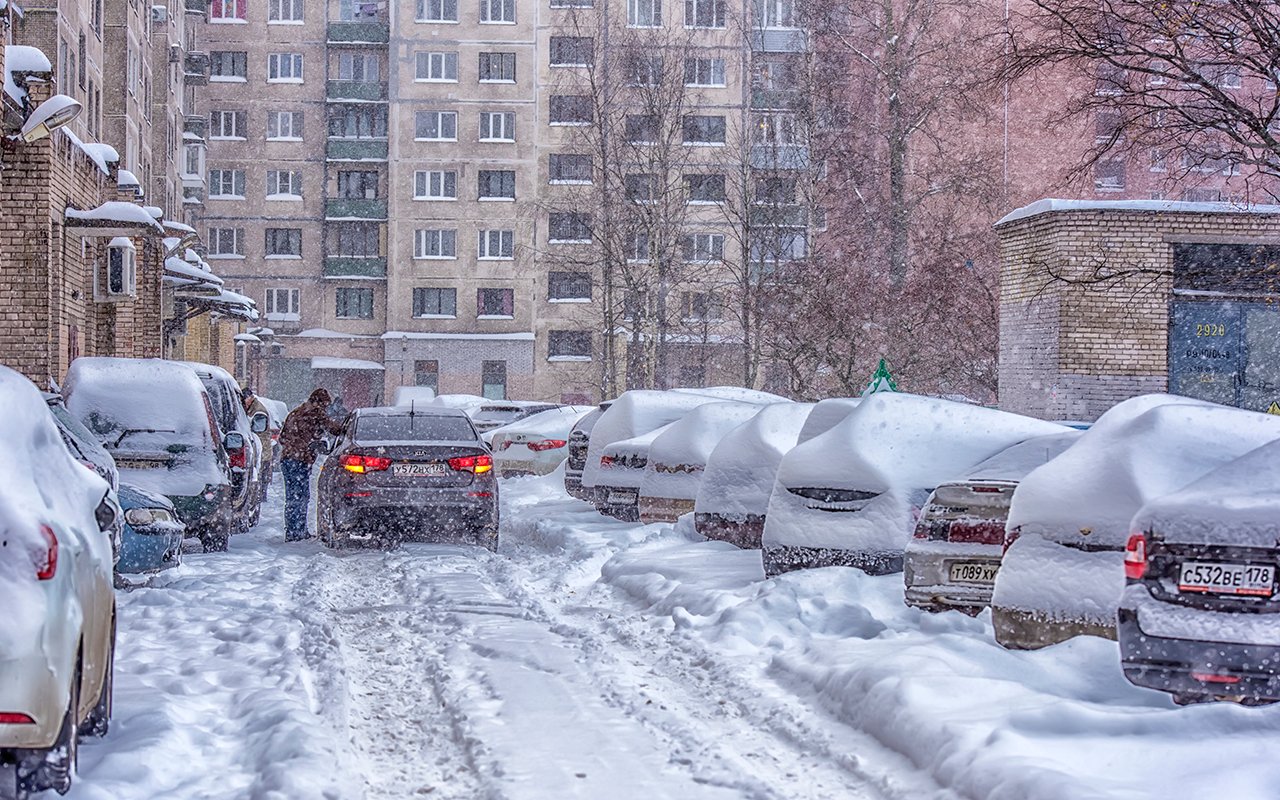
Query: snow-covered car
[
  {"x": 277, "y": 411},
  {"x": 246, "y": 460},
  {"x": 57, "y": 629},
  {"x": 954, "y": 555},
  {"x": 399, "y": 473},
  {"x": 734, "y": 493},
  {"x": 1200, "y": 615},
  {"x": 1062, "y": 574},
  {"x": 535, "y": 445},
  {"x": 848, "y": 497},
  {"x": 677, "y": 459},
  {"x": 155, "y": 419},
  {"x": 578, "y": 443},
  {"x": 153, "y": 533},
  {"x": 82, "y": 444},
  {"x": 621, "y": 470},
  {"x": 495, "y": 414}
]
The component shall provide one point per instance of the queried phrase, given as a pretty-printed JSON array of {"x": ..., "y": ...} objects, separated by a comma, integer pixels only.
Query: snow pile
[
  {"x": 741, "y": 470},
  {"x": 22, "y": 58},
  {"x": 1015, "y": 463},
  {"x": 678, "y": 457},
  {"x": 49, "y": 488},
  {"x": 468, "y": 403},
  {"x": 413, "y": 395},
  {"x": 116, "y": 212},
  {"x": 825, "y": 416},
  {"x": 554, "y": 423},
  {"x": 276, "y": 409},
  {"x": 736, "y": 394}
]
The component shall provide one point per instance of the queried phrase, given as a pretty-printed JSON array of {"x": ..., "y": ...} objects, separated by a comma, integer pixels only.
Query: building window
[
  {"x": 638, "y": 248},
  {"x": 569, "y": 168},
  {"x": 569, "y": 226},
  {"x": 227, "y": 125},
  {"x": 777, "y": 190},
  {"x": 193, "y": 161},
  {"x": 703, "y": 130},
  {"x": 640, "y": 187},
  {"x": 503, "y": 11},
  {"x": 283, "y": 183},
  {"x": 635, "y": 304},
  {"x": 571, "y": 109},
  {"x": 434, "y": 302},
  {"x": 427, "y": 373},
  {"x": 641, "y": 128},
  {"x": 568, "y": 345},
  {"x": 284, "y": 125},
  {"x": 435, "y": 243},
  {"x": 568, "y": 286},
  {"x": 493, "y": 380},
  {"x": 776, "y": 130},
  {"x": 702, "y": 247},
  {"x": 497, "y": 126},
  {"x": 781, "y": 244},
  {"x": 572, "y": 51},
  {"x": 698, "y": 307},
  {"x": 358, "y": 122},
  {"x": 572, "y": 3},
  {"x": 437, "y": 10},
  {"x": 496, "y": 245},
  {"x": 497, "y": 67},
  {"x": 496, "y": 184},
  {"x": 226, "y": 183},
  {"x": 284, "y": 68},
  {"x": 358, "y": 184},
  {"x": 644, "y": 13},
  {"x": 226, "y": 242},
  {"x": 284, "y": 242},
  {"x": 355, "y": 239},
  {"x": 776, "y": 13},
  {"x": 436, "y": 66},
  {"x": 705, "y": 188},
  {"x": 643, "y": 70},
  {"x": 359, "y": 67},
  {"x": 1109, "y": 175},
  {"x": 353, "y": 303},
  {"x": 704, "y": 72},
  {"x": 227, "y": 10},
  {"x": 284, "y": 11},
  {"x": 704, "y": 13},
  {"x": 282, "y": 304},
  {"x": 436, "y": 126},
  {"x": 227, "y": 65},
  {"x": 492, "y": 303},
  {"x": 435, "y": 185}
]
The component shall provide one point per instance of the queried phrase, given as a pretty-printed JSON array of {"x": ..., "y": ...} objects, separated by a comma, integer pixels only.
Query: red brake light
[
  {"x": 1209, "y": 677},
  {"x": 359, "y": 464},
  {"x": 606, "y": 461},
  {"x": 476, "y": 464},
  {"x": 15, "y": 718},
  {"x": 986, "y": 489},
  {"x": 546, "y": 444},
  {"x": 1135, "y": 557},
  {"x": 50, "y": 566},
  {"x": 239, "y": 457}
]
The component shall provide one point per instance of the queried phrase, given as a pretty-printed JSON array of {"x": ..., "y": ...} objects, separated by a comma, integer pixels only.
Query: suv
[{"x": 228, "y": 408}]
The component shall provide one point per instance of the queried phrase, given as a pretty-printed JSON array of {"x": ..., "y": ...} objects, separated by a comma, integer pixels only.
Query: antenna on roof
[{"x": 411, "y": 403}]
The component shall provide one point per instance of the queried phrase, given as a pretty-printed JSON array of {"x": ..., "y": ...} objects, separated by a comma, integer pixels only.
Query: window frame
[
  {"x": 505, "y": 240},
  {"x": 508, "y": 126},
  {"x": 292, "y": 237},
  {"x": 440, "y": 116},
  {"x": 347, "y": 292},
  {"x": 506, "y": 179},
  {"x": 419, "y": 301},
  {"x": 424, "y": 179},
  {"x": 447, "y": 61},
  {"x": 270, "y": 304},
  {"x": 444, "y": 241},
  {"x": 276, "y": 62}
]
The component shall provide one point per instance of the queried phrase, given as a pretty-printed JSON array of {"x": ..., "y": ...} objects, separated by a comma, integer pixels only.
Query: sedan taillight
[
  {"x": 15, "y": 718},
  {"x": 238, "y": 457},
  {"x": 46, "y": 570},
  {"x": 546, "y": 444},
  {"x": 359, "y": 464},
  {"x": 1135, "y": 557},
  {"x": 476, "y": 464}
]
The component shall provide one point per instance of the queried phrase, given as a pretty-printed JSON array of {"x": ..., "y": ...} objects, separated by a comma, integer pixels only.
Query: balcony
[
  {"x": 195, "y": 68},
  {"x": 355, "y": 267},
  {"x": 356, "y": 150},
  {"x": 777, "y": 100},
  {"x": 357, "y": 90},
  {"x": 200, "y": 7},
  {"x": 359, "y": 32},
  {"x": 354, "y": 208},
  {"x": 197, "y": 124},
  {"x": 780, "y": 156},
  {"x": 779, "y": 40},
  {"x": 778, "y": 216}
]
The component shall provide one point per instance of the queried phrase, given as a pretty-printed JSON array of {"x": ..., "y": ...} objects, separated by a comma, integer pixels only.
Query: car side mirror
[
  {"x": 106, "y": 514},
  {"x": 233, "y": 441},
  {"x": 259, "y": 423}
]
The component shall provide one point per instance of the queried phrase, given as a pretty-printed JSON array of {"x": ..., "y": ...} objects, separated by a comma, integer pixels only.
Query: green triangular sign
[{"x": 881, "y": 380}]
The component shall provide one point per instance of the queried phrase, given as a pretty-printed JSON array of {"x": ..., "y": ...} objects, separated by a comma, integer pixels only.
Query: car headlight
[{"x": 147, "y": 516}]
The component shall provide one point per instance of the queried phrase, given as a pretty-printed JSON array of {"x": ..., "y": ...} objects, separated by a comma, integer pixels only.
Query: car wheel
[
  {"x": 487, "y": 537},
  {"x": 53, "y": 768},
  {"x": 99, "y": 719},
  {"x": 215, "y": 538}
]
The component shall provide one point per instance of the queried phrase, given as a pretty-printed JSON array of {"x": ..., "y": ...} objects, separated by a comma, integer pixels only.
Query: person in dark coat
[{"x": 300, "y": 440}]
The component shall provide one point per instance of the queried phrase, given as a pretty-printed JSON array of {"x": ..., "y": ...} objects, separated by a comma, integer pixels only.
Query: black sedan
[{"x": 399, "y": 474}]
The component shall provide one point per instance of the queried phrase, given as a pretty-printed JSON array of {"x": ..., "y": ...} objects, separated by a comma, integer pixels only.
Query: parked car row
[{"x": 1154, "y": 525}]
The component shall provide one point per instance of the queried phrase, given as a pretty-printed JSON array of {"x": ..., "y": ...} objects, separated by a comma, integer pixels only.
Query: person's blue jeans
[{"x": 297, "y": 498}]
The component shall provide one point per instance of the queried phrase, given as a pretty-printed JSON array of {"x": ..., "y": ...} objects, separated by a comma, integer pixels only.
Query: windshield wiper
[{"x": 129, "y": 431}]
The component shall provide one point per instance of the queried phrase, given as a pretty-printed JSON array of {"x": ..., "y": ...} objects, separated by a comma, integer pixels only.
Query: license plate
[
  {"x": 130, "y": 463},
  {"x": 1220, "y": 578},
  {"x": 621, "y": 498},
  {"x": 974, "y": 572},
  {"x": 416, "y": 470}
]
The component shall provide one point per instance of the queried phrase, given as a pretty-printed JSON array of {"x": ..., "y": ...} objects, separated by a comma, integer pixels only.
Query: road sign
[{"x": 1274, "y": 408}]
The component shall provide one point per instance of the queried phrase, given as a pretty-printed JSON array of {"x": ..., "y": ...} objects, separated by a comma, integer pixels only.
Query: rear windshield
[
  {"x": 499, "y": 414},
  {"x": 416, "y": 428}
]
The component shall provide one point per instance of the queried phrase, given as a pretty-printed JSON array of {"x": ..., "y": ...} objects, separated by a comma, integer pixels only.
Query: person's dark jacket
[{"x": 305, "y": 427}]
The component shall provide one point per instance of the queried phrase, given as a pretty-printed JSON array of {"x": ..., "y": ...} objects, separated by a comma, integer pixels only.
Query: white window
[
  {"x": 776, "y": 13},
  {"x": 227, "y": 11},
  {"x": 644, "y": 13},
  {"x": 435, "y": 185},
  {"x": 228, "y": 66},
  {"x": 437, "y": 66},
  {"x": 284, "y": 68},
  {"x": 193, "y": 160},
  {"x": 283, "y": 243},
  {"x": 704, "y": 72},
  {"x": 438, "y": 10},
  {"x": 282, "y": 304},
  {"x": 226, "y": 184},
  {"x": 226, "y": 242},
  {"x": 358, "y": 67},
  {"x": 227, "y": 125},
  {"x": 638, "y": 247},
  {"x": 435, "y": 243},
  {"x": 121, "y": 278},
  {"x": 284, "y": 184},
  {"x": 498, "y": 11},
  {"x": 436, "y": 126},
  {"x": 497, "y": 68},
  {"x": 285, "y": 125},
  {"x": 704, "y": 13},
  {"x": 284, "y": 11},
  {"x": 495, "y": 244},
  {"x": 700, "y": 247},
  {"x": 777, "y": 130},
  {"x": 568, "y": 226},
  {"x": 643, "y": 70},
  {"x": 497, "y": 126}
]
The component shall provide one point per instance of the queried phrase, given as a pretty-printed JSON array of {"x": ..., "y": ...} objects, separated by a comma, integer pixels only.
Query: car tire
[
  {"x": 99, "y": 719},
  {"x": 53, "y": 768},
  {"x": 486, "y": 537},
  {"x": 215, "y": 538}
]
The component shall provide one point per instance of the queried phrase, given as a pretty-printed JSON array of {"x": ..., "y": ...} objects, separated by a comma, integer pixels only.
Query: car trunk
[
  {"x": 413, "y": 465},
  {"x": 967, "y": 513},
  {"x": 1228, "y": 578}
]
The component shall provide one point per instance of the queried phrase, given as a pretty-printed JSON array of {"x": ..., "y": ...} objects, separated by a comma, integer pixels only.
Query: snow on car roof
[
  {"x": 737, "y": 394},
  {"x": 743, "y": 466},
  {"x": 1013, "y": 463},
  {"x": 636, "y": 412},
  {"x": 554, "y": 421},
  {"x": 690, "y": 439},
  {"x": 114, "y": 394},
  {"x": 1090, "y": 493},
  {"x": 826, "y": 415},
  {"x": 636, "y": 444}
]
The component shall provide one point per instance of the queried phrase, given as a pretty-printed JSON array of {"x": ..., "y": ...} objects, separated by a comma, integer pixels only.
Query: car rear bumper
[
  {"x": 573, "y": 485},
  {"x": 745, "y": 533},
  {"x": 210, "y": 509},
  {"x": 1028, "y": 630},
  {"x": 663, "y": 509},
  {"x": 619, "y": 502},
  {"x": 408, "y": 513},
  {"x": 28, "y": 686},
  {"x": 1170, "y": 665},
  {"x": 788, "y": 558},
  {"x": 928, "y": 584},
  {"x": 149, "y": 550}
]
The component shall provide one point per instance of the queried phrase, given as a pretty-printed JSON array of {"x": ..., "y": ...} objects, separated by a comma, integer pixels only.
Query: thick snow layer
[
  {"x": 121, "y": 400},
  {"x": 469, "y": 403},
  {"x": 826, "y": 415},
  {"x": 737, "y": 394},
  {"x": 1161, "y": 206},
  {"x": 622, "y": 473},
  {"x": 1058, "y": 583},
  {"x": 181, "y": 268},
  {"x": 412, "y": 395},
  {"x": 116, "y": 211},
  {"x": 345, "y": 364},
  {"x": 742, "y": 468},
  {"x": 636, "y": 412},
  {"x": 899, "y": 446},
  {"x": 679, "y": 456},
  {"x": 554, "y": 423},
  {"x": 502, "y": 337},
  {"x": 1014, "y": 463},
  {"x": 1171, "y": 621},
  {"x": 276, "y": 409}
]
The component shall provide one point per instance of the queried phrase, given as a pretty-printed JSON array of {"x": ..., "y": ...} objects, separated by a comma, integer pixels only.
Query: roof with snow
[
  {"x": 25, "y": 59},
  {"x": 327, "y": 362},
  {"x": 510, "y": 337},
  {"x": 1050, "y": 205},
  {"x": 113, "y": 215}
]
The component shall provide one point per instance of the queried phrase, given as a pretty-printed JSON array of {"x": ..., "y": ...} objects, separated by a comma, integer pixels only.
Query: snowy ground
[{"x": 595, "y": 659}]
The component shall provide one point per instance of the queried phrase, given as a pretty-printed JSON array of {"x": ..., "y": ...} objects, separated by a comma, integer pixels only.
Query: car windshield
[
  {"x": 500, "y": 414},
  {"x": 413, "y": 428}
]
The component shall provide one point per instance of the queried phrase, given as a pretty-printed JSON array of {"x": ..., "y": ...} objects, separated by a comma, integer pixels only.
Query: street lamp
[{"x": 49, "y": 116}]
